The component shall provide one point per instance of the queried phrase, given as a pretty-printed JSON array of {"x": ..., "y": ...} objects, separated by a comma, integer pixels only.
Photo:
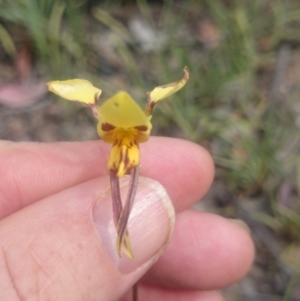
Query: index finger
[{"x": 31, "y": 171}]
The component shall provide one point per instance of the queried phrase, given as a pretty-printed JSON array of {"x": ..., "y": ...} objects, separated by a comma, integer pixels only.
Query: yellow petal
[
  {"x": 120, "y": 114},
  {"x": 162, "y": 92},
  {"x": 75, "y": 90},
  {"x": 121, "y": 111}
]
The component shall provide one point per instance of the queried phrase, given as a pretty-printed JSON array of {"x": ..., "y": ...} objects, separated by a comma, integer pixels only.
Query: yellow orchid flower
[{"x": 123, "y": 124}]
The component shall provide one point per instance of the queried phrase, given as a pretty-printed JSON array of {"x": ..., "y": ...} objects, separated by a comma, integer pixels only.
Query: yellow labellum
[{"x": 125, "y": 152}]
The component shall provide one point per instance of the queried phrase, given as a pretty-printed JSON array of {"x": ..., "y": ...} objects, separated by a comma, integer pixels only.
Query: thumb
[{"x": 63, "y": 247}]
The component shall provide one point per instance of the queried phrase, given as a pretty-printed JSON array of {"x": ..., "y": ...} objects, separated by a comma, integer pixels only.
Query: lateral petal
[{"x": 75, "y": 90}]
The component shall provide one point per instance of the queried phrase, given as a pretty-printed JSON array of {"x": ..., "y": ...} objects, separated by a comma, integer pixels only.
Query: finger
[
  {"x": 184, "y": 168},
  {"x": 64, "y": 245},
  {"x": 206, "y": 252},
  {"x": 31, "y": 171},
  {"x": 154, "y": 293}
]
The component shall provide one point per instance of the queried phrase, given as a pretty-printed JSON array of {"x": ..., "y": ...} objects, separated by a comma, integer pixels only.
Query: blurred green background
[{"x": 242, "y": 102}]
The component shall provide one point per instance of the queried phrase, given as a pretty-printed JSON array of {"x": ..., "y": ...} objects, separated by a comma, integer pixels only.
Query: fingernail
[{"x": 150, "y": 224}]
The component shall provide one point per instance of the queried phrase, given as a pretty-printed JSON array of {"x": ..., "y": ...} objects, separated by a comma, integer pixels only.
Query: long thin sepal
[
  {"x": 123, "y": 220},
  {"x": 116, "y": 198},
  {"x": 117, "y": 209}
]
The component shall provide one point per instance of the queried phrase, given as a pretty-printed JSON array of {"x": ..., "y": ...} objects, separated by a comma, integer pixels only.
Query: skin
[{"x": 38, "y": 209}]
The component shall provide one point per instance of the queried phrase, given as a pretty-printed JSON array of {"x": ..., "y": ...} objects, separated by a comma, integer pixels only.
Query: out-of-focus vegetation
[
  {"x": 53, "y": 28},
  {"x": 243, "y": 98}
]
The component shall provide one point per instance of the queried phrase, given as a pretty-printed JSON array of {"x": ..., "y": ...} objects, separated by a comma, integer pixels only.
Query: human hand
[{"x": 57, "y": 237}]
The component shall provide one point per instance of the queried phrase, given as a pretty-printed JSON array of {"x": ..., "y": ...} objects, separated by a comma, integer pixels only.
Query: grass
[
  {"x": 232, "y": 104},
  {"x": 42, "y": 24}
]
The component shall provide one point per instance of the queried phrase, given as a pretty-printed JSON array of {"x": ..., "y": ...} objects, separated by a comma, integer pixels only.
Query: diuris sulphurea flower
[{"x": 122, "y": 123}]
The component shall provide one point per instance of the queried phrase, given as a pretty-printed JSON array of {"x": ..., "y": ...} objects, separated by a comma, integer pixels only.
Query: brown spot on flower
[
  {"x": 141, "y": 128},
  {"x": 96, "y": 98},
  {"x": 107, "y": 127}
]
